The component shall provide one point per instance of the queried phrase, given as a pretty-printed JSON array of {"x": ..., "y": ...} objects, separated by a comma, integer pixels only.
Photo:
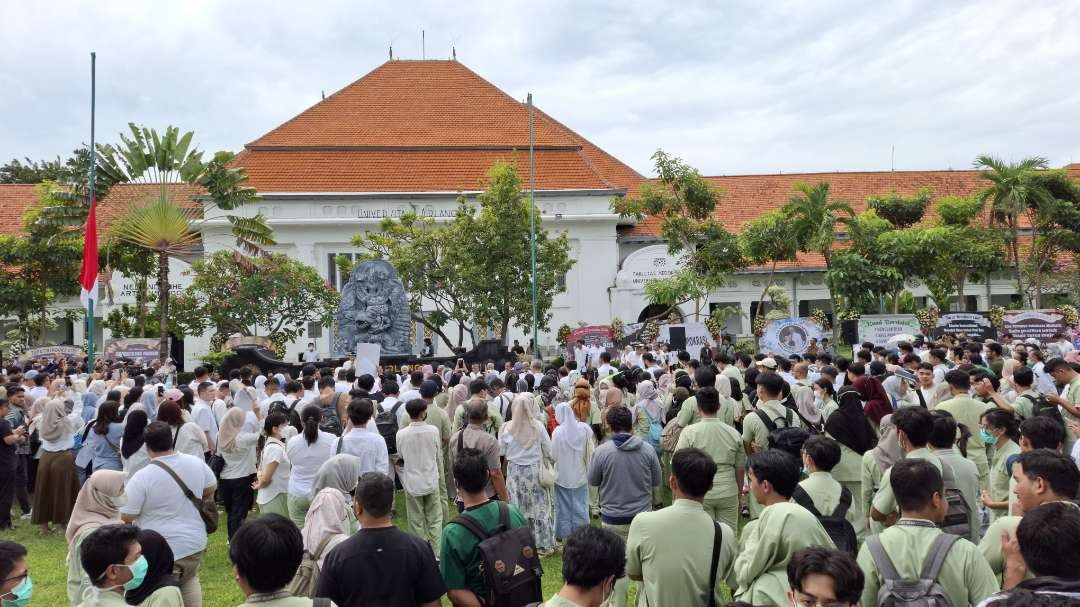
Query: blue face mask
[
  {"x": 987, "y": 437},
  {"x": 138, "y": 573},
  {"x": 22, "y": 594}
]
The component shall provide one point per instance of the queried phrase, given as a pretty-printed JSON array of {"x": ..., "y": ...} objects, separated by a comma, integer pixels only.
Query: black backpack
[
  {"x": 508, "y": 561},
  {"x": 1041, "y": 407},
  {"x": 387, "y": 423},
  {"x": 770, "y": 424},
  {"x": 838, "y": 527},
  {"x": 330, "y": 423}
]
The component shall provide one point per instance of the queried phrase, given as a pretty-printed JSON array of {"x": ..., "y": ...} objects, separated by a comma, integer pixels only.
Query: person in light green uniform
[
  {"x": 724, "y": 446},
  {"x": 783, "y": 529},
  {"x": 1042, "y": 476},
  {"x": 690, "y": 414},
  {"x": 874, "y": 464},
  {"x": 265, "y": 554},
  {"x": 592, "y": 560},
  {"x": 113, "y": 560},
  {"x": 913, "y": 428},
  {"x": 820, "y": 455},
  {"x": 1023, "y": 406},
  {"x": 436, "y": 416},
  {"x": 965, "y": 474},
  {"x": 968, "y": 411},
  {"x": 920, "y": 490},
  {"x": 755, "y": 433},
  {"x": 1070, "y": 407},
  {"x": 670, "y": 550},
  {"x": 999, "y": 430},
  {"x": 825, "y": 398}
]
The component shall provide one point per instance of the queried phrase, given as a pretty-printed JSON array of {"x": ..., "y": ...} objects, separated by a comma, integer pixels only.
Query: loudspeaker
[
  {"x": 849, "y": 332},
  {"x": 677, "y": 338}
]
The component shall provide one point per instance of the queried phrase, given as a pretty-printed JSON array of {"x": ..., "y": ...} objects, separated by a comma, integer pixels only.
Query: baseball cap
[
  {"x": 31, "y": 374},
  {"x": 768, "y": 363},
  {"x": 174, "y": 394}
]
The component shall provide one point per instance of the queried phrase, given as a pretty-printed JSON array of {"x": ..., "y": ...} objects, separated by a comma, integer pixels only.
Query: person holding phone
[{"x": 9, "y": 437}]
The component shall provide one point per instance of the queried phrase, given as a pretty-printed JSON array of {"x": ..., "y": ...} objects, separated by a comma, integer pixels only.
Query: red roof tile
[
  {"x": 746, "y": 197},
  {"x": 15, "y": 199},
  {"x": 409, "y": 171}
]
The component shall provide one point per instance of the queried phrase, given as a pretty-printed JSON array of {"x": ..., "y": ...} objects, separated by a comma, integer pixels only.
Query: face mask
[
  {"x": 138, "y": 573},
  {"x": 22, "y": 594},
  {"x": 987, "y": 437},
  {"x": 805, "y": 471},
  {"x": 818, "y": 402}
]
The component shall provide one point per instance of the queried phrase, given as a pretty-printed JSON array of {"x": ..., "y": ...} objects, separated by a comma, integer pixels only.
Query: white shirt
[
  {"x": 605, "y": 370},
  {"x": 402, "y": 414},
  {"x": 419, "y": 446},
  {"x": 37, "y": 392},
  {"x": 202, "y": 414},
  {"x": 154, "y": 497},
  {"x": 191, "y": 439},
  {"x": 274, "y": 451},
  {"x": 1043, "y": 382},
  {"x": 581, "y": 355},
  {"x": 939, "y": 373},
  {"x": 368, "y": 446},
  {"x": 240, "y": 462},
  {"x": 1065, "y": 346},
  {"x": 306, "y": 460},
  {"x": 245, "y": 398},
  {"x": 524, "y": 456},
  {"x": 342, "y": 386},
  {"x": 276, "y": 397},
  {"x": 67, "y": 441},
  {"x": 593, "y": 354},
  {"x": 311, "y": 356},
  {"x": 136, "y": 462}
]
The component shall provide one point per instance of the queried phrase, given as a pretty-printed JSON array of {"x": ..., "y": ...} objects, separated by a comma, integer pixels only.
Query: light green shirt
[
  {"x": 290, "y": 601},
  {"x": 733, "y": 371},
  {"x": 558, "y": 601},
  {"x": 871, "y": 482},
  {"x": 824, "y": 491},
  {"x": 1074, "y": 399},
  {"x": 756, "y": 432},
  {"x": 1000, "y": 475},
  {"x": 690, "y": 413},
  {"x": 965, "y": 576},
  {"x": 671, "y": 549},
  {"x": 493, "y": 424},
  {"x": 724, "y": 446},
  {"x": 761, "y": 568},
  {"x": 966, "y": 478},
  {"x": 967, "y": 411},
  {"x": 438, "y": 418},
  {"x": 990, "y": 545},
  {"x": 105, "y": 599},
  {"x": 885, "y": 501},
  {"x": 169, "y": 596},
  {"x": 1025, "y": 407},
  {"x": 828, "y": 409}
]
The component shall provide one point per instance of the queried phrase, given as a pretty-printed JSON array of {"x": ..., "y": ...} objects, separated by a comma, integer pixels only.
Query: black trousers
[
  {"x": 22, "y": 485},
  {"x": 238, "y": 497},
  {"x": 7, "y": 495}
]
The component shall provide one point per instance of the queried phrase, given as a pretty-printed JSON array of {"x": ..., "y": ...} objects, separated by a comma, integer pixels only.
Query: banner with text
[
  {"x": 1039, "y": 324},
  {"x": 789, "y": 336},
  {"x": 975, "y": 325},
  {"x": 879, "y": 328}
]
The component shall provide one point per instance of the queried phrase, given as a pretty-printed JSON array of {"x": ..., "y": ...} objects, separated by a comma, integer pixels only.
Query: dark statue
[{"x": 374, "y": 310}]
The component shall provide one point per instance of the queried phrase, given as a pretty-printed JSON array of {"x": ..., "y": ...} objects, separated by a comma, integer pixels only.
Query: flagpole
[
  {"x": 532, "y": 229},
  {"x": 92, "y": 217}
]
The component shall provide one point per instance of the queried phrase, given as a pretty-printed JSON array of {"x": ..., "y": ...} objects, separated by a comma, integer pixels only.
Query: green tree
[
  {"x": 685, "y": 203},
  {"x": 859, "y": 274},
  {"x": 901, "y": 211},
  {"x": 1012, "y": 191},
  {"x": 224, "y": 290},
  {"x": 41, "y": 265},
  {"x": 171, "y": 227},
  {"x": 1055, "y": 235},
  {"x": 813, "y": 219},
  {"x": 499, "y": 223},
  {"x": 767, "y": 240}
]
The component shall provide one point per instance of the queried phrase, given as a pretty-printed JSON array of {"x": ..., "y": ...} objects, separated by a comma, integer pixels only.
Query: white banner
[
  {"x": 878, "y": 328},
  {"x": 367, "y": 358},
  {"x": 789, "y": 336}
]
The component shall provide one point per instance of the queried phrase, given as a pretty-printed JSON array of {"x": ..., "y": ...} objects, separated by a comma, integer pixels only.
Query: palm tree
[
  {"x": 170, "y": 227},
  {"x": 813, "y": 218},
  {"x": 1012, "y": 191}
]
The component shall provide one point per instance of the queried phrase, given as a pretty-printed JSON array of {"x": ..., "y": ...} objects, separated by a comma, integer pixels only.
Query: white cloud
[{"x": 734, "y": 87}]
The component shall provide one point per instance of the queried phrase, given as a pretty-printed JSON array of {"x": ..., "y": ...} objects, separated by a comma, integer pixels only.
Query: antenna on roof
[
  {"x": 453, "y": 52},
  {"x": 892, "y": 159},
  {"x": 324, "y": 95},
  {"x": 423, "y": 46},
  {"x": 391, "y": 51}
]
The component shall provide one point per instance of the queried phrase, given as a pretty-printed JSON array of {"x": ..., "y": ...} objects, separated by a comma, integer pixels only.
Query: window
[
  {"x": 333, "y": 276},
  {"x": 314, "y": 330}
]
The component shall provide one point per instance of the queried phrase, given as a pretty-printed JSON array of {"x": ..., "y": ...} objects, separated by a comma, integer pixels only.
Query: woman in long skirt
[
  {"x": 57, "y": 484},
  {"x": 524, "y": 441},
  {"x": 571, "y": 448}
]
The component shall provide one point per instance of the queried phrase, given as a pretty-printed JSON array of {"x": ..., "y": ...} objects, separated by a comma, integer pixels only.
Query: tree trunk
[
  {"x": 1024, "y": 301},
  {"x": 163, "y": 304},
  {"x": 896, "y": 301},
  {"x": 140, "y": 304}
]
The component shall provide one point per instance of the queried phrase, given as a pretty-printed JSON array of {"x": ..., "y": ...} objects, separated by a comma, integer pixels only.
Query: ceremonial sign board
[
  {"x": 1040, "y": 324},
  {"x": 132, "y": 348},
  {"x": 975, "y": 325},
  {"x": 789, "y": 336},
  {"x": 697, "y": 336},
  {"x": 878, "y": 328},
  {"x": 50, "y": 351}
]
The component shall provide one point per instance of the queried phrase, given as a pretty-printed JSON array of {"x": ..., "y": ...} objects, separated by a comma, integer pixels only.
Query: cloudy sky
[{"x": 732, "y": 87}]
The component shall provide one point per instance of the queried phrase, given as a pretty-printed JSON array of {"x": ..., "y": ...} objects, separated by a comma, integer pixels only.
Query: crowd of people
[{"x": 941, "y": 470}]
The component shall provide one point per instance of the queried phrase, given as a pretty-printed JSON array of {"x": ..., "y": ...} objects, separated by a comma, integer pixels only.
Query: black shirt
[
  {"x": 7, "y": 452},
  {"x": 383, "y": 567}
]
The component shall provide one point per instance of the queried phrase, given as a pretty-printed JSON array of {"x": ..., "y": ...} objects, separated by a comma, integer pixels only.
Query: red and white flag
[{"x": 88, "y": 278}]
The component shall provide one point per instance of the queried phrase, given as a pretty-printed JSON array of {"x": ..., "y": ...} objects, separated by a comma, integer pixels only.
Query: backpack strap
[
  {"x": 936, "y": 557},
  {"x": 472, "y": 526},
  {"x": 881, "y": 558},
  {"x": 321, "y": 547},
  {"x": 322, "y": 602},
  {"x": 717, "y": 535},
  {"x": 803, "y": 499},
  {"x": 787, "y": 417},
  {"x": 770, "y": 425},
  {"x": 845, "y": 503},
  {"x": 340, "y": 440},
  {"x": 504, "y": 516}
]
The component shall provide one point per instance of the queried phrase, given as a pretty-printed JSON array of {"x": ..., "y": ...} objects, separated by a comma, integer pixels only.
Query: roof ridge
[{"x": 577, "y": 136}]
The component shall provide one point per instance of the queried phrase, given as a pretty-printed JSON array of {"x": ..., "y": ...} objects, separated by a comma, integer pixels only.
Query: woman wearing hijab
[
  {"x": 612, "y": 397},
  {"x": 546, "y": 399},
  {"x": 89, "y": 399},
  {"x": 849, "y": 427},
  {"x": 571, "y": 448},
  {"x": 330, "y": 518},
  {"x": 876, "y": 403},
  {"x": 188, "y": 437},
  {"x": 132, "y": 450},
  {"x": 582, "y": 403},
  {"x": 648, "y": 410},
  {"x": 237, "y": 448},
  {"x": 57, "y": 484},
  {"x": 459, "y": 393},
  {"x": 525, "y": 443},
  {"x": 900, "y": 394},
  {"x": 95, "y": 506},
  {"x": 874, "y": 464},
  {"x": 159, "y": 588}
]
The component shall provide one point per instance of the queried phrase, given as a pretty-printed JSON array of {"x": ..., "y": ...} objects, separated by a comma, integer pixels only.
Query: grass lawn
[{"x": 48, "y": 565}]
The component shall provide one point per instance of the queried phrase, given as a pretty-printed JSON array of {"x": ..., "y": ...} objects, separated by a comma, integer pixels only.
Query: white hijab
[{"x": 571, "y": 436}]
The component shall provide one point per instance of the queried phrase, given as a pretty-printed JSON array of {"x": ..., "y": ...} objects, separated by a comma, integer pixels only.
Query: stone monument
[{"x": 375, "y": 310}]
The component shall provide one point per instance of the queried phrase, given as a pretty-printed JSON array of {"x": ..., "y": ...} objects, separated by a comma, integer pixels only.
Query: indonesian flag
[{"x": 88, "y": 278}]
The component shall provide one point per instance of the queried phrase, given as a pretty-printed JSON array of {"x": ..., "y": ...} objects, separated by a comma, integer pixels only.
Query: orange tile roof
[
  {"x": 746, "y": 197},
  {"x": 15, "y": 199},
  {"x": 409, "y": 171},
  {"x": 422, "y": 126}
]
